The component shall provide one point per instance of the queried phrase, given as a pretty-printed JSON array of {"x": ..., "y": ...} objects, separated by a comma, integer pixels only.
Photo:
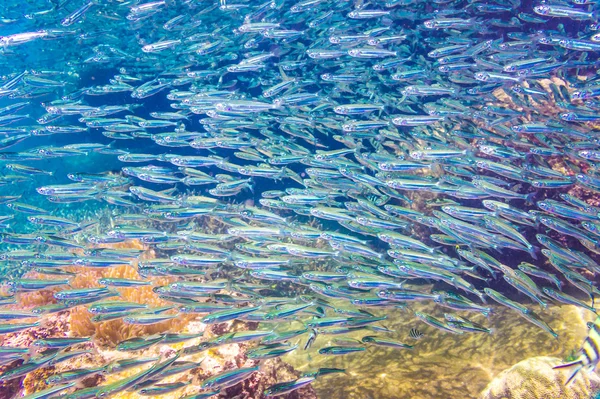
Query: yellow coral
[{"x": 36, "y": 380}]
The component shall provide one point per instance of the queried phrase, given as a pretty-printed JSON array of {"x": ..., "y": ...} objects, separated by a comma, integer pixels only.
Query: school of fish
[{"x": 347, "y": 151}]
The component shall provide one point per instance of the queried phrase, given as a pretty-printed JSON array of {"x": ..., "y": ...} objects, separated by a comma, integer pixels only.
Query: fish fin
[{"x": 578, "y": 364}]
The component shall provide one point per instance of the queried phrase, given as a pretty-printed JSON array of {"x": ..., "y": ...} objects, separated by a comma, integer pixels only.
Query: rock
[
  {"x": 11, "y": 388},
  {"x": 534, "y": 378}
]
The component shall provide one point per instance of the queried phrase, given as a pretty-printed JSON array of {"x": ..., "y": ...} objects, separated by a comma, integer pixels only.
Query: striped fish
[
  {"x": 589, "y": 354},
  {"x": 415, "y": 334}
]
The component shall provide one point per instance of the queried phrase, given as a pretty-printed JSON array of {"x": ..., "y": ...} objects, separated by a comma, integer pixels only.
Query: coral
[
  {"x": 211, "y": 363},
  {"x": 81, "y": 323},
  {"x": 36, "y": 298},
  {"x": 271, "y": 372},
  {"x": 54, "y": 325},
  {"x": 534, "y": 378},
  {"x": 9, "y": 389},
  {"x": 587, "y": 195},
  {"x": 43, "y": 297},
  {"x": 36, "y": 380},
  {"x": 441, "y": 365},
  {"x": 112, "y": 332}
]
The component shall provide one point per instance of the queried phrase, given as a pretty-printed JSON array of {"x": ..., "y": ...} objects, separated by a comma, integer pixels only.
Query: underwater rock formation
[{"x": 534, "y": 378}]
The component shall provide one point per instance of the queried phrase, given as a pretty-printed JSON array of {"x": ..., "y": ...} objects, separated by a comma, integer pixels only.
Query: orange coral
[
  {"x": 37, "y": 298},
  {"x": 114, "y": 331}
]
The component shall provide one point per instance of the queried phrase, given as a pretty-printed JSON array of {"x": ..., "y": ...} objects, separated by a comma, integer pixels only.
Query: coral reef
[
  {"x": 36, "y": 380},
  {"x": 55, "y": 325},
  {"x": 534, "y": 378},
  {"x": 455, "y": 366},
  {"x": 9, "y": 389},
  {"x": 441, "y": 365},
  {"x": 110, "y": 333},
  {"x": 39, "y": 297},
  {"x": 271, "y": 372},
  {"x": 210, "y": 362}
]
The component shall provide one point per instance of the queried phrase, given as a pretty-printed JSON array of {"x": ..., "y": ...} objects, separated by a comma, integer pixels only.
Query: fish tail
[
  {"x": 533, "y": 250},
  {"x": 559, "y": 283},
  {"x": 529, "y": 198},
  {"x": 577, "y": 364},
  {"x": 481, "y": 296}
]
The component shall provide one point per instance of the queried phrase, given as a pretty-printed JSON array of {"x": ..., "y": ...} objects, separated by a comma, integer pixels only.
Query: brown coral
[{"x": 9, "y": 389}]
